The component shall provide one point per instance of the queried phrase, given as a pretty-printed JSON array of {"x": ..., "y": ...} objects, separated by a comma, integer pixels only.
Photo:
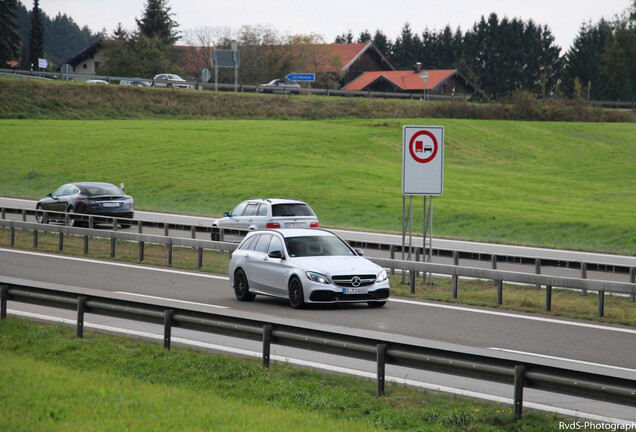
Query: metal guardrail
[
  {"x": 413, "y": 267},
  {"x": 382, "y": 348},
  {"x": 393, "y": 248}
]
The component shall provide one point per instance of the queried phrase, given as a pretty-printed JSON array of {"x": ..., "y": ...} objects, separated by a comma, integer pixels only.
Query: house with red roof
[{"x": 446, "y": 82}]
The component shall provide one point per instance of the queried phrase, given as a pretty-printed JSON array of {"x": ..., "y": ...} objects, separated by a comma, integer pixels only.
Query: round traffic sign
[{"x": 423, "y": 146}]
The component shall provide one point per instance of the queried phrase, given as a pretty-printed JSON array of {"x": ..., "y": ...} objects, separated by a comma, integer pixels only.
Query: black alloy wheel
[
  {"x": 40, "y": 216},
  {"x": 296, "y": 296},
  {"x": 241, "y": 287}
]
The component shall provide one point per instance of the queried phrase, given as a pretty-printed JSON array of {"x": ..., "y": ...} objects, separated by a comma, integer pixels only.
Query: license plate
[
  {"x": 294, "y": 225},
  {"x": 355, "y": 291},
  {"x": 110, "y": 204}
]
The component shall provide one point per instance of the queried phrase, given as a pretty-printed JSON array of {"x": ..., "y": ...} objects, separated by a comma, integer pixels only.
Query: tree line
[{"x": 500, "y": 55}]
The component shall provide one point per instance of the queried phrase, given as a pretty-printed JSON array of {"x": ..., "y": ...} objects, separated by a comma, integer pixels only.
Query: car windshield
[
  {"x": 291, "y": 209},
  {"x": 316, "y": 246},
  {"x": 103, "y": 190},
  {"x": 174, "y": 77}
]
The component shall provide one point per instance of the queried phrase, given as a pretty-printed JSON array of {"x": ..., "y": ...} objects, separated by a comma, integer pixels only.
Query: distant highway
[{"x": 613, "y": 267}]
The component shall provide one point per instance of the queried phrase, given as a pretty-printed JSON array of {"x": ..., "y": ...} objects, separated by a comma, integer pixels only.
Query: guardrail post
[
  {"x": 166, "y": 229},
  {"x": 537, "y": 269},
  {"x": 392, "y": 255},
  {"x": 583, "y": 276},
  {"x": 4, "y": 294},
  {"x": 81, "y": 306},
  {"x": 200, "y": 258},
  {"x": 12, "y": 234},
  {"x": 632, "y": 279},
  {"x": 381, "y": 357},
  {"x": 601, "y": 303},
  {"x": 493, "y": 265},
  {"x": 455, "y": 258},
  {"x": 193, "y": 231},
  {"x": 267, "y": 342},
  {"x": 85, "y": 244},
  {"x": 91, "y": 222},
  {"x": 548, "y": 298},
  {"x": 113, "y": 243},
  {"x": 115, "y": 224},
  {"x": 499, "y": 292},
  {"x": 60, "y": 243},
  {"x": 169, "y": 253},
  {"x": 412, "y": 281},
  {"x": 222, "y": 234},
  {"x": 4, "y": 213},
  {"x": 520, "y": 373},
  {"x": 35, "y": 238},
  {"x": 455, "y": 282},
  {"x": 141, "y": 251},
  {"x": 23, "y": 215},
  {"x": 167, "y": 328},
  {"x": 140, "y": 227}
]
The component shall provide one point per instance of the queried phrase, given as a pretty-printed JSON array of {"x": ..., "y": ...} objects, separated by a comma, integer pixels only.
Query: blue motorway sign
[{"x": 307, "y": 77}]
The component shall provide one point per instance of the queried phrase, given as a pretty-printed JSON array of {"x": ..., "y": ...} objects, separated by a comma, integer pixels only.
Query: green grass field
[
  {"x": 52, "y": 381},
  {"x": 566, "y": 185}
]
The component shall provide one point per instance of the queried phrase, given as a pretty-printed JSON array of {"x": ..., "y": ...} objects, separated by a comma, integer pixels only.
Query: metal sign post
[
  {"x": 422, "y": 174},
  {"x": 227, "y": 59}
]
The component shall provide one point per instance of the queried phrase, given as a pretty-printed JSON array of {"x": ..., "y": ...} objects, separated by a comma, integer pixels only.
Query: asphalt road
[
  {"x": 476, "y": 248},
  {"x": 565, "y": 343}
]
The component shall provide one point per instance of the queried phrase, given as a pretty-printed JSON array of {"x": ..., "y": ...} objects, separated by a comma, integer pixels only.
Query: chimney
[{"x": 418, "y": 67}]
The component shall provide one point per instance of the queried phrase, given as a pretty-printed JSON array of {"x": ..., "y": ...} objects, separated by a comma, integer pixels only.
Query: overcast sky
[{"x": 331, "y": 18}]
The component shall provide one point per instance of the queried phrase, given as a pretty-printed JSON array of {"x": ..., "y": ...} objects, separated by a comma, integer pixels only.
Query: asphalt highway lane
[{"x": 586, "y": 342}]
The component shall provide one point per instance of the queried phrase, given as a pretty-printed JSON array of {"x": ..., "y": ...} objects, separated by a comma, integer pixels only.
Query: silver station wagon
[{"x": 305, "y": 266}]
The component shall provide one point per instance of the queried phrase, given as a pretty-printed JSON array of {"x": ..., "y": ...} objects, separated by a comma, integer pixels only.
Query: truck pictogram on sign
[{"x": 423, "y": 142}]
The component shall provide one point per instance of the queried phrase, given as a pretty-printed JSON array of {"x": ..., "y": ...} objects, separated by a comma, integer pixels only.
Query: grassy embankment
[
  {"x": 564, "y": 185},
  {"x": 52, "y": 381},
  {"x": 22, "y": 99}
]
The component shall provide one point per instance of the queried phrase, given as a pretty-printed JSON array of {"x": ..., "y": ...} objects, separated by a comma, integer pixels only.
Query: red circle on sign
[{"x": 423, "y": 149}]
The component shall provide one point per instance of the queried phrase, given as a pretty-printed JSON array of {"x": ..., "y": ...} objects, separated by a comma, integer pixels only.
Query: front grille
[{"x": 345, "y": 280}]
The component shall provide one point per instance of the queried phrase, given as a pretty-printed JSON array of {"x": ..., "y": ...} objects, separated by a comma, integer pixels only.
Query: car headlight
[
  {"x": 317, "y": 277},
  {"x": 382, "y": 276}
]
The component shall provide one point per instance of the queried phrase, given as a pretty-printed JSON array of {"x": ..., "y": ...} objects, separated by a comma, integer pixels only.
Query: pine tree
[
  {"x": 9, "y": 37},
  {"x": 157, "y": 22},
  {"x": 36, "y": 36}
]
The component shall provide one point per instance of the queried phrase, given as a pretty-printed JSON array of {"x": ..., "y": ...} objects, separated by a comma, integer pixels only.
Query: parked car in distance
[
  {"x": 279, "y": 86},
  {"x": 97, "y": 81},
  {"x": 305, "y": 266},
  {"x": 88, "y": 198},
  {"x": 138, "y": 82},
  {"x": 170, "y": 81},
  {"x": 260, "y": 213}
]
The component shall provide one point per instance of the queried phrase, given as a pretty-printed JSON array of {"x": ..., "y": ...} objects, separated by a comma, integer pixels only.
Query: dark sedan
[{"x": 102, "y": 199}]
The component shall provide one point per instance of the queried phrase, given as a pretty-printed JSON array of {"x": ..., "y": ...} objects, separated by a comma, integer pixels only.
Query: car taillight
[
  {"x": 273, "y": 225},
  {"x": 313, "y": 225}
]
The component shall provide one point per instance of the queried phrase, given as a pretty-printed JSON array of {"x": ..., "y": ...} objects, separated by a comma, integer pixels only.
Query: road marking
[
  {"x": 171, "y": 299},
  {"x": 562, "y": 359},
  {"x": 117, "y": 264},
  {"x": 327, "y": 367},
  {"x": 412, "y": 302},
  {"x": 510, "y": 315}
]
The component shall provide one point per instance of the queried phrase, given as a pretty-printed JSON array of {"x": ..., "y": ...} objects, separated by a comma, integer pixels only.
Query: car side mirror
[
  {"x": 360, "y": 252},
  {"x": 49, "y": 195},
  {"x": 226, "y": 214},
  {"x": 276, "y": 254}
]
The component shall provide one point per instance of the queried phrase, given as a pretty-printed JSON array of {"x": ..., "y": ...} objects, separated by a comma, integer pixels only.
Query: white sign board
[{"x": 423, "y": 160}]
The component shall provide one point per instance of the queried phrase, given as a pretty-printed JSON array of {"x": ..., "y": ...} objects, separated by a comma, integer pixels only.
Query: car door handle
[
  {"x": 265, "y": 258},
  {"x": 247, "y": 256}
]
